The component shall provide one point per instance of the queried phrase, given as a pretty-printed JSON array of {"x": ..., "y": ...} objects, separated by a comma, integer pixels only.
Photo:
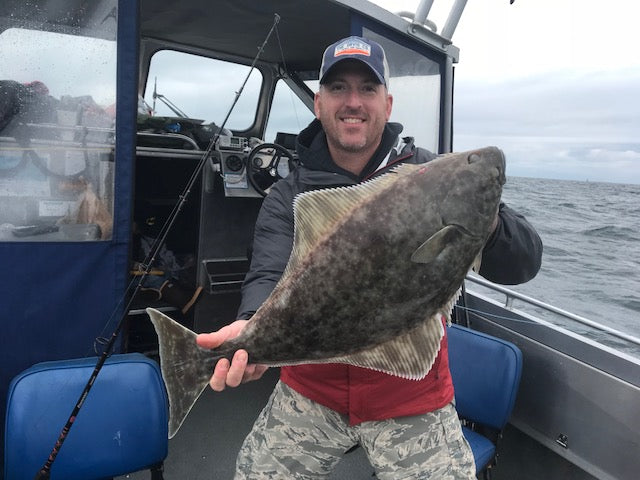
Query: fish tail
[{"x": 186, "y": 367}]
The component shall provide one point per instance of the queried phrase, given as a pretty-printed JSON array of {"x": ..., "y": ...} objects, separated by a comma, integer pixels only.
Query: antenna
[
  {"x": 453, "y": 19},
  {"x": 155, "y": 84},
  {"x": 172, "y": 106}
]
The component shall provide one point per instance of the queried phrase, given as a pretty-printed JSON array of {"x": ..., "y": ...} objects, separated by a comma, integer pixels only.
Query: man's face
[{"x": 353, "y": 108}]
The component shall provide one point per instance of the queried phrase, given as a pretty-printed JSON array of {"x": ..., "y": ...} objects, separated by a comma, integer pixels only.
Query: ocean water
[{"x": 591, "y": 237}]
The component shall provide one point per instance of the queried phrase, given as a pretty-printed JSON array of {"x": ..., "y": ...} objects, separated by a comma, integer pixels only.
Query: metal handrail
[
  {"x": 511, "y": 296},
  {"x": 175, "y": 136}
]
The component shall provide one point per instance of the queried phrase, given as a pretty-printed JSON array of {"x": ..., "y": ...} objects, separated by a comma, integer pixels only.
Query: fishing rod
[{"x": 45, "y": 472}]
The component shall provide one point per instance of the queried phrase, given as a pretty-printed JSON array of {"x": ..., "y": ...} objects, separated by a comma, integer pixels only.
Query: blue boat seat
[
  {"x": 121, "y": 427},
  {"x": 486, "y": 375}
]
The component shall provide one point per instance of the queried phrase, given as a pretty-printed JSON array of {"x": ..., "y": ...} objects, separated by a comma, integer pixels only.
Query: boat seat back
[
  {"x": 486, "y": 375},
  {"x": 121, "y": 427}
]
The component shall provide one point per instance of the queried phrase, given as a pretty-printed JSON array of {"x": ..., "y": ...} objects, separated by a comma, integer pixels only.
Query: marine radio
[{"x": 226, "y": 142}]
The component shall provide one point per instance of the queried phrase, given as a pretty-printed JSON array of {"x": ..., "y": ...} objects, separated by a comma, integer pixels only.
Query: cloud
[
  {"x": 53, "y": 59},
  {"x": 604, "y": 104},
  {"x": 567, "y": 159},
  {"x": 570, "y": 125}
]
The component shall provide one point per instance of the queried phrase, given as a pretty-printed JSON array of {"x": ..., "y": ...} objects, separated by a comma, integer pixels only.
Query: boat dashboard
[{"x": 248, "y": 165}]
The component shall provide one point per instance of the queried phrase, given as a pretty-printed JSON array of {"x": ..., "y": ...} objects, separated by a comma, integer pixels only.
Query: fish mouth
[{"x": 496, "y": 158}]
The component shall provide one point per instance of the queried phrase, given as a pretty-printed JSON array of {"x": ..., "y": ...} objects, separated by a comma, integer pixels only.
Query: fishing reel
[{"x": 265, "y": 166}]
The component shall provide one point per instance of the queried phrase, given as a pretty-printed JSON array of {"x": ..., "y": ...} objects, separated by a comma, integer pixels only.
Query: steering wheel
[{"x": 263, "y": 165}]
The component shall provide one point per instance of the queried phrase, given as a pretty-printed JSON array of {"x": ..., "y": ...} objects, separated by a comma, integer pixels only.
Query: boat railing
[{"x": 511, "y": 296}]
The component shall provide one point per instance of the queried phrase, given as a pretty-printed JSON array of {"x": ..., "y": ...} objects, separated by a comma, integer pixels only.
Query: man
[{"x": 409, "y": 429}]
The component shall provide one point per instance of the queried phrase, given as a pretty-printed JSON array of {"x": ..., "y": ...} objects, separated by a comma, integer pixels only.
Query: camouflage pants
[{"x": 296, "y": 438}]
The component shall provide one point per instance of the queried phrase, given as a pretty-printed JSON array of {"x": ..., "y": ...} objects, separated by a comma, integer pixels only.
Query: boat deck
[{"x": 206, "y": 445}]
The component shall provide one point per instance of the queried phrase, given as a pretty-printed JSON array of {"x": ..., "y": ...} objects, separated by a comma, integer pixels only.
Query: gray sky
[{"x": 554, "y": 83}]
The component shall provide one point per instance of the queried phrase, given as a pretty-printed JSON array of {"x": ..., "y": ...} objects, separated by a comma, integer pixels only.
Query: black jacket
[{"x": 512, "y": 255}]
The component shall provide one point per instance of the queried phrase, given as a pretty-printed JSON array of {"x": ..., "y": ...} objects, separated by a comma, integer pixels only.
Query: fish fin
[
  {"x": 409, "y": 356},
  {"x": 436, "y": 244},
  {"x": 404, "y": 169},
  {"x": 447, "y": 310},
  {"x": 316, "y": 213},
  {"x": 477, "y": 263},
  {"x": 186, "y": 368}
]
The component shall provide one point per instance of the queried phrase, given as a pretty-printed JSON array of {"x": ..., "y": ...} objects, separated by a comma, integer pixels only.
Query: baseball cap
[{"x": 367, "y": 51}]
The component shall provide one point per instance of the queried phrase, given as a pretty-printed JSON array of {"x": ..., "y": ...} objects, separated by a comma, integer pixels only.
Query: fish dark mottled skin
[{"x": 373, "y": 270}]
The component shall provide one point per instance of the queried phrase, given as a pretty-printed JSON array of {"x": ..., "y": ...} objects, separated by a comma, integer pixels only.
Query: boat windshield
[
  {"x": 181, "y": 84},
  {"x": 415, "y": 83},
  {"x": 57, "y": 118}
]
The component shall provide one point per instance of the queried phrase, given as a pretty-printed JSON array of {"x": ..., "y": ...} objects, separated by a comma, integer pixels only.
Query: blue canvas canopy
[{"x": 57, "y": 297}]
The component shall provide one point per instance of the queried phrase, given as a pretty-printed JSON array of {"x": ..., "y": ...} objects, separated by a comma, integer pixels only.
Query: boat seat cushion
[
  {"x": 483, "y": 449},
  {"x": 486, "y": 375},
  {"x": 121, "y": 427}
]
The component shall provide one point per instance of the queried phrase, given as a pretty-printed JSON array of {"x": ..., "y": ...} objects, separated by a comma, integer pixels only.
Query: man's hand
[{"x": 238, "y": 371}]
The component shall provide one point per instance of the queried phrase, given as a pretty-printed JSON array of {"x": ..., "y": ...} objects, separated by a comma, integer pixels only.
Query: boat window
[
  {"x": 180, "y": 84},
  {"x": 57, "y": 118},
  {"x": 288, "y": 113},
  {"x": 415, "y": 85}
]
